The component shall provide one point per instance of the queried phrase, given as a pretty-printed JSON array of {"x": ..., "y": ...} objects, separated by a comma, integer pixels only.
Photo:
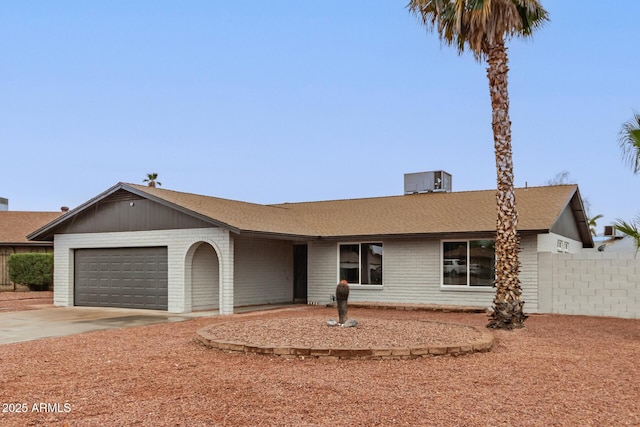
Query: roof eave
[
  {"x": 40, "y": 243},
  {"x": 436, "y": 235},
  {"x": 279, "y": 236}
]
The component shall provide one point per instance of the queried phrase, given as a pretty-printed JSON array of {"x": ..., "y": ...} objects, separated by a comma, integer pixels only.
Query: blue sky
[{"x": 287, "y": 101}]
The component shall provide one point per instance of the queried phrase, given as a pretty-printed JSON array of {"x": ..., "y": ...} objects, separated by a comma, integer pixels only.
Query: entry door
[
  {"x": 121, "y": 277},
  {"x": 300, "y": 273}
]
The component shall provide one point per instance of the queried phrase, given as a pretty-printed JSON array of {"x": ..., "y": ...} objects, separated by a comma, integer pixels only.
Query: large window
[
  {"x": 468, "y": 263},
  {"x": 361, "y": 263}
]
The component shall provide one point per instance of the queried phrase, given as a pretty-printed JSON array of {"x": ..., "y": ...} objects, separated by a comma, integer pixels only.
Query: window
[
  {"x": 468, "y": 263},
  {"x": 361, "y": 263},
  {"x": 563, "y": 246}
]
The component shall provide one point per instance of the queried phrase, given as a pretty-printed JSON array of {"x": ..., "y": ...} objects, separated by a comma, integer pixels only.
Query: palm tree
[
  {"x": 631, "y": 229},
  {"x": 629, "y": 140},
  {"x": 152, "y": 179},
  {"x": 483, "y": 26},
  {"x": 593, "y": 224}
]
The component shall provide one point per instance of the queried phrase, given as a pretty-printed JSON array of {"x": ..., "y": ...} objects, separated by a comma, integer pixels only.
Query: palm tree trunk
[{"x": 507, "y": 304}]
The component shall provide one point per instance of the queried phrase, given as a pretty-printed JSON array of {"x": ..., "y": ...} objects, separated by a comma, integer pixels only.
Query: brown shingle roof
[
  {"x": 241, "y": 216},
  {"x": 16, "y": 225},
  {"x": 429, "y": 213},
  {"x": 432, "y": 213}
]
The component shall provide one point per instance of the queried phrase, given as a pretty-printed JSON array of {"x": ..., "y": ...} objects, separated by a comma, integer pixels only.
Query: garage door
[{"x": 121, "y": 277}]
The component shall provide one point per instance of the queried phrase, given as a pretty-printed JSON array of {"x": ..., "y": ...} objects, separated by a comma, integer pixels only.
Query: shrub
[{"x": 32, "y": 269}]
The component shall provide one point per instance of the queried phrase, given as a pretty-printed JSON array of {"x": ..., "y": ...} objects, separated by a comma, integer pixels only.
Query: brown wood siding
[
  {"x": 124, "y": 211},
  {"x": 5, "y": 251}
]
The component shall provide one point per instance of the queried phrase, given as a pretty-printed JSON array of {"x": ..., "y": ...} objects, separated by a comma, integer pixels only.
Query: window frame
[
  {"x": 361, "y": 285},
  {"x": 562, "y": 246},
  {"x": 467, "y": 286}
]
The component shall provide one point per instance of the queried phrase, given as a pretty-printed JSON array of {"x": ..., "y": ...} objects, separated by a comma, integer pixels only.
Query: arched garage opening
[{"x": 205, "y": 277}]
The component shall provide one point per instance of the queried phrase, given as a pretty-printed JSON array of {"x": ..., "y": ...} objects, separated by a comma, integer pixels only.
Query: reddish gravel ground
[
  {"x": 12, "y": 301},
  {"x": 558, "y": 371}
]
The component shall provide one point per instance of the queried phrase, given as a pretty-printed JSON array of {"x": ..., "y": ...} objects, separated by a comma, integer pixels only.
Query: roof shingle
[
  {"x": 16, "y": 225},
  {"x": 427, "y": 213}
]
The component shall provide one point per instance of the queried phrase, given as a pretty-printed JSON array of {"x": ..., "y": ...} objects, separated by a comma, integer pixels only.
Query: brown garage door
[{"x": 121, "y": 277}]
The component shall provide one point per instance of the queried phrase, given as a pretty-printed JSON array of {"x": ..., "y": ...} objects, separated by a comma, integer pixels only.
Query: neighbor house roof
[
  {"x": 15, "y": 226},
  {"x": 539, "y": 209}
]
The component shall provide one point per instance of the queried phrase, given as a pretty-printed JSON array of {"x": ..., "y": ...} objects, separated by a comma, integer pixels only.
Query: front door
[{"x": 300, "y": 273}]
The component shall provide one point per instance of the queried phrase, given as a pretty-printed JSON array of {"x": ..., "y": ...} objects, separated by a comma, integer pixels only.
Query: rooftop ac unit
[
  {"x": 427, "y": 182},
  {"x": 609, "y": 231}
]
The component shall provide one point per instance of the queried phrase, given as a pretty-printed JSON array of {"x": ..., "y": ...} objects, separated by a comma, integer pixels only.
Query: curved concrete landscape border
[{"x": 483, "y": 344}]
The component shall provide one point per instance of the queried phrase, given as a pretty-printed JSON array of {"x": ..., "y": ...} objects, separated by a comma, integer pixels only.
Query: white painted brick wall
[{"x": 178, "y": 243}]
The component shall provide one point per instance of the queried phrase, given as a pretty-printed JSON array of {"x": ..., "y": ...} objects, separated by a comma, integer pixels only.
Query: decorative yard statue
[{"x": 342, "y": 295}]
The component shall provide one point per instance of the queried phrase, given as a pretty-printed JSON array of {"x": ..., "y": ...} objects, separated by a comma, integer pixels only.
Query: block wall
[{"x": 590, "y": 283}]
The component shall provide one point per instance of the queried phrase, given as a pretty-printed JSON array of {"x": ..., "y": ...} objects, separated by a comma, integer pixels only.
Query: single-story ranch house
[{"x": 143, "y": 247}]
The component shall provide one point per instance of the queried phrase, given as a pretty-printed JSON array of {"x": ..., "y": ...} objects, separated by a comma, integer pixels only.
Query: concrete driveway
[{"x": 18, "y": 326}]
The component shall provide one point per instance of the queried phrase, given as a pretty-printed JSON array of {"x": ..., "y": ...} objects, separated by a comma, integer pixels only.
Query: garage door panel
[{"x": 121, "y": 277}]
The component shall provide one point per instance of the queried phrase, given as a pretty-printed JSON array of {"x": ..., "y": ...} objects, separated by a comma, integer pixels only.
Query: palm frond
[
  {"x": 593, "y": 223},
  {"x": 478, "y": 24},
  {"x": 152, "y": 179},
  {"x": 631, "y": 229},
  {"x": 629, "y": 141}
]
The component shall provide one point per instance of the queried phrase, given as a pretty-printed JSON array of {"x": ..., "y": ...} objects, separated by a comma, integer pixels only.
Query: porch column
[{"x": 226, "y": 279}]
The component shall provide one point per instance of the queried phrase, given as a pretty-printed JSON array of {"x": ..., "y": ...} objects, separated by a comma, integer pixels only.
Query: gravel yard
[
  {"x": 12, "y": 301},
  {"x": 558, "y": 371}
]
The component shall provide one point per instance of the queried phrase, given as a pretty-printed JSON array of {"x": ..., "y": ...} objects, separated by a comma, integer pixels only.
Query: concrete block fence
[{"x": 589, "y": 283}]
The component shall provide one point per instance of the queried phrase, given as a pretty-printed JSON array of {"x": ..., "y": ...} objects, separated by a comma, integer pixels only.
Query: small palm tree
[
  {"x": 152, "y": 179},
  {"x": 630, "y": 229},
  {"x": 593, "y": 224},
  {"x": 629, "y": 140},
  {"x": 483, "y": 26}
]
